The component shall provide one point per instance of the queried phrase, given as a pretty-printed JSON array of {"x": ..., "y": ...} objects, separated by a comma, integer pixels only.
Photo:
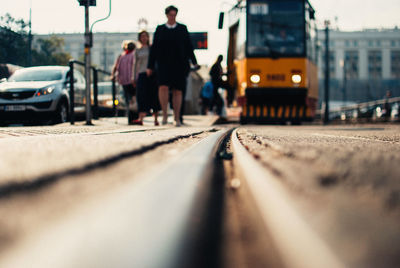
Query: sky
[{"x": 66, "y": 16}]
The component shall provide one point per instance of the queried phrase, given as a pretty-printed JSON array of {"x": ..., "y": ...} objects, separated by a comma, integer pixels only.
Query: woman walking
[
  {"x": 146, "y": 86},
  {"x": 170, "y": 54},
  {"x": 123, "y": 70}
]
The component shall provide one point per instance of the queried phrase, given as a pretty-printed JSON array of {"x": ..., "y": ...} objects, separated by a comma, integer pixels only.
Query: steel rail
[
  {"x": 297, "y": 244},
  {"x": 144, "y": 224}
]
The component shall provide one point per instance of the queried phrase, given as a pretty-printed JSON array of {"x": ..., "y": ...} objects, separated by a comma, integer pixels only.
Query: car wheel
[{"x": 62, "y": 113}]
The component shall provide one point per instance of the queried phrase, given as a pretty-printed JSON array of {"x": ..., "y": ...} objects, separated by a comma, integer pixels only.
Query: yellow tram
[{"x": 272, "y": 60}]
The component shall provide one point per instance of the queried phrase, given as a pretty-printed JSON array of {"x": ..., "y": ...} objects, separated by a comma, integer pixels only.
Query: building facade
[
  {"x": 363, "y": 64},
  {"x": 105, "y": 50}
]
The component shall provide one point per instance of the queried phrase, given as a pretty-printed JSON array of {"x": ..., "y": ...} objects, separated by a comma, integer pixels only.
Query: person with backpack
[{"x": 206, "y": 96}]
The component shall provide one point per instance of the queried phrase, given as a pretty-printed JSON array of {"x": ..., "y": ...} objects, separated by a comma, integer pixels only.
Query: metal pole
[
  {"x": 30, "y": 38},
  {"x": 95, "y": 95},
  {"x": 345, "y": 82},
  {"x": 114, "y": 97},
  {"x": 326, "y": 113},
  {"x": 71, "y": 92},
  {"x": 87, "y": 65}
]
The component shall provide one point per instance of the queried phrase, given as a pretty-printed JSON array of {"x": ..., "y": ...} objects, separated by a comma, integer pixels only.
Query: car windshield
[
  {"x": 36, "y": 75},
  {"x": 275, "y": 28}
]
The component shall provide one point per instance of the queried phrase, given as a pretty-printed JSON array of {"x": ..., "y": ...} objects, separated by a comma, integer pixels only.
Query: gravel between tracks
[{"x": 344, "y": 179}]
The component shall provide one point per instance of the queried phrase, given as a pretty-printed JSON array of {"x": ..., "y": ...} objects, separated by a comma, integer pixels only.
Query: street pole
[
  {"x": 88, "y": 45},
  {"x": 344, "y": 82},
  {"x": 30, "y": 38},
  {"x": 326, "y": 113}
]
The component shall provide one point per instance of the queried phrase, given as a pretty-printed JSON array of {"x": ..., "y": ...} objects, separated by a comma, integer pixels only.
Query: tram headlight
[
  {"x": 296, "y": 78},
  {"x": 255, "y": 78}
]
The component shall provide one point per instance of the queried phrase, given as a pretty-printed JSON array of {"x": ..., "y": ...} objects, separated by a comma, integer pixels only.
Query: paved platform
[{"x": 189, "y": 121}]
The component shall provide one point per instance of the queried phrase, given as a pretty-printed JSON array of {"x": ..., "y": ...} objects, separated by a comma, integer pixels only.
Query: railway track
[{"x": 201, "y": 208}]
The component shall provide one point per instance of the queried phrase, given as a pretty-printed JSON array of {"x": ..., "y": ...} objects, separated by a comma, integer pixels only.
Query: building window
[
  {"x": 375, "y": 64},
  {"x": 378, "y": 43},
  {"x": 395, "y": 64},
  {"x": 370, "y": 44},
  {"x": 393, "y": 43},
  {"x": 347, "y": 43},
  {"x": 351, "y": 63},
  {"x": 355, "y": 43}
]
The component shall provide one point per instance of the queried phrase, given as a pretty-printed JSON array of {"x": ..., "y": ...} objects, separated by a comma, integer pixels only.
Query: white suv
[{"x": 41, "y": 93}]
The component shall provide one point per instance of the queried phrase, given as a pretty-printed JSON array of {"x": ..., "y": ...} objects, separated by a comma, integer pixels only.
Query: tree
[
  {"x": 13, "y": 40},
  {"x": 50, "y": 52},
  {"x": 14, "y": 45}
]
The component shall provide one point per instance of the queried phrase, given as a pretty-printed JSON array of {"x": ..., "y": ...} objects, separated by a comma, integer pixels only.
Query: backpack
[{"x": 207, "y": 90}]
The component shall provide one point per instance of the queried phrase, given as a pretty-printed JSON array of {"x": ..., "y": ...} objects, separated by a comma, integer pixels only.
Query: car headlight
[
  {"x": 255, "y": 78},
  {"x": 296, "y": 78},
  {"x": 45, "y": 91}
]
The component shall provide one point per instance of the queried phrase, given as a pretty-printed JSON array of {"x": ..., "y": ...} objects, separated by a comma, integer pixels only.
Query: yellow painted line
[
  {"x": 244, "y": 111},
  {"x": 258, "y": 111},
  {"x": 301, "y": 111},
  {"x": 272, "y": 114},
  {"x": 294, "y": 109},
  {"x": 287, "y": 112},
  {"x": 280, "y": 111},
  {"x": 251, "y": 111},
  {"x": 308, "y": 112}
]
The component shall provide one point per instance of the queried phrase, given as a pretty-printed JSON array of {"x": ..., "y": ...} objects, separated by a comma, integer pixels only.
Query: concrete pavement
[{"x": 31, "y": 152}]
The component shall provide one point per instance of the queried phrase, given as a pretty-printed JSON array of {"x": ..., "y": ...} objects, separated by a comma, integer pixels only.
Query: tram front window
[{"x": 275, "y": 28}]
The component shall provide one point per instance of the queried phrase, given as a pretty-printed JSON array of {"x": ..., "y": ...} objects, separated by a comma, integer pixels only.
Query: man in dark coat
[
  {"x": 216, "y": 80},
  {"x": 169, "y": 56}
]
